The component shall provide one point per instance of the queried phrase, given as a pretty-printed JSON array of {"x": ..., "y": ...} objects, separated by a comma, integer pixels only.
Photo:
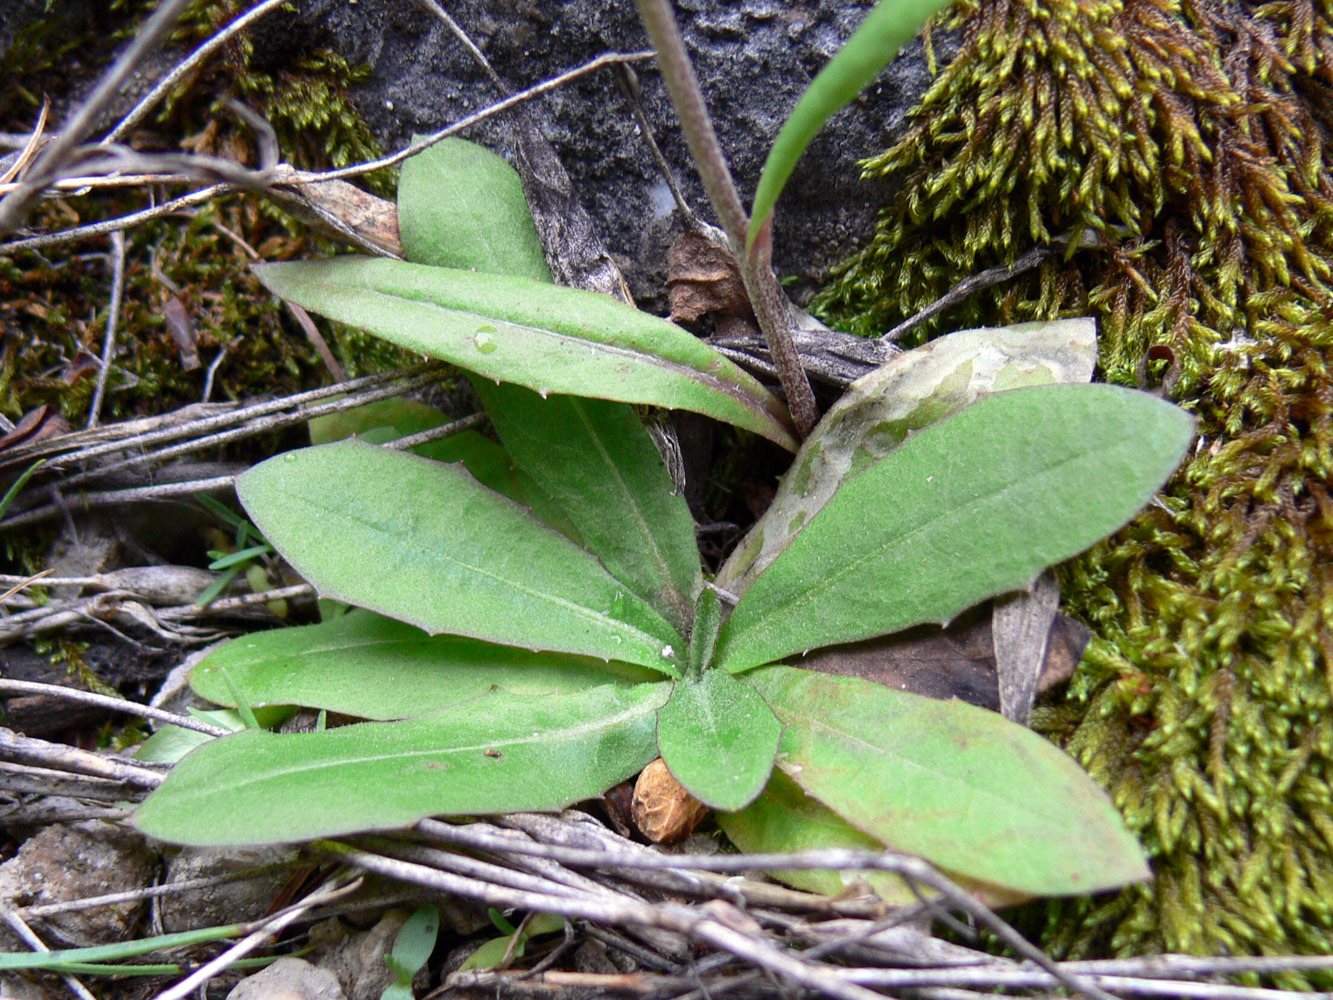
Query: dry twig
[
  {"x": 30, "y": 938},
  {"x": 55, "y": 155}
]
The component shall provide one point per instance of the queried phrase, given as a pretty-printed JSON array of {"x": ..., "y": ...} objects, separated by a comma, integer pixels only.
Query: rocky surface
[
  {"x": 288, "y": 979},
  {"x": 226, "y": 902},
  {"x": 754, "y": 59},
  {"x": 61, "y": 863},
  {"x": 356, "y": 958}
]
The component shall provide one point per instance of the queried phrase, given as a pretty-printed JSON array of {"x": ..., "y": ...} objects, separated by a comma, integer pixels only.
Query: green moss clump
[
  {"x": 58, "y": 299},
  {"x": 304, "y": 99},
  {"x": 1192, "y": 138}
]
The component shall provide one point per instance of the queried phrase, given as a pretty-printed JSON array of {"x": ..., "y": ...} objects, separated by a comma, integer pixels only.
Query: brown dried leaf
[
  {"x": 83, "y": 364},
  {"x": 36, "y": 425},
  {"x": 954, "y": 662},
  {"x": 340, "y": 210},
  {"x": 702, "y": 277},
  {"x": 662, "y": 810},
  {"x": 182, "y": 331},
  {"x": 1021, "y": 628}
]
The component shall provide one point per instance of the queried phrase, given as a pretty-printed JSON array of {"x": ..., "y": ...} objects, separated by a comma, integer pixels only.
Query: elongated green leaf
[
  {"x": 718, "y": 739},
  {"x": 400, "y": 415},
  {"x": 541, "y": 336},
  {"x": 596, "y": 461},
  {"x": 18, "y": 485},
  {"x": 960, "y": 786},
  {"x": 501, "y": 754},
  {"x": 784, "y": 819},
  {"x": 460, "y": 205},
  {"x": 425, "y": 543},
  {"x": 913, "y": 390},
  {"x": 487, "y": 462},
  {"x": 365, "y": 665},
  {"x": 489, "y": 954},
  {"x": 973, "y": 506},
  {"x": 892, "y": 24},
  {"x": 170, "y": 743},
  {"x": 414, "y": 943}
]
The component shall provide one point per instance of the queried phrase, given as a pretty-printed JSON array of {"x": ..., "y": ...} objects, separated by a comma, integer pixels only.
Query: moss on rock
[
  {"x": 1193, "y": 139},
  {"x": 56, "y": 300}
]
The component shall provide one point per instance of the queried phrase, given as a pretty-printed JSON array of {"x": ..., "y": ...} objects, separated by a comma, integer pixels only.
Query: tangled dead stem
[{"x": 1194, "y": 139}]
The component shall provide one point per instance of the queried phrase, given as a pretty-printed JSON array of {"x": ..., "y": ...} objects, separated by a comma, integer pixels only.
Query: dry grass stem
[
  {"x": 112, "y": 320},
  {"x": 52, "y": 160}
]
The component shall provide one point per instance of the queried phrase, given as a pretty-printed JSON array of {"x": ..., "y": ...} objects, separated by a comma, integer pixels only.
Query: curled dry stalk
[{"x": 754, "y": 258}]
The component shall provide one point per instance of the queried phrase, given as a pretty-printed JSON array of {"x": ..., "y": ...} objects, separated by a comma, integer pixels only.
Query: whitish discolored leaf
[
  {"x": 546, "y": 338},
  {"x": 501, "y": 754},
  {"x": 719, "y": 738},
  {"x": 959, "y": 786},
  {"x": 878, "y": 412},
  {"x": 596, "y": 461},
  {"x": 967, "y": 508},
  {"x": 892, "y": 24},
  {"x": 371, "y": 667},
  {"x": 425, "y": 543},
  {"x": 460, "y": 205}
]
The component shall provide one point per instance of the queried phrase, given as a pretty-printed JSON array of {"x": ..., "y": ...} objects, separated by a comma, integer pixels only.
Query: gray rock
[
  {"x": 754, "y": 58},
  {"x": 61, "y": 863},
  {"x": 288, "y": 979},
  {"x": 16, "y": 987},
  {"x": 356, "y": 958},
  {"x": 227, "y": 902}
]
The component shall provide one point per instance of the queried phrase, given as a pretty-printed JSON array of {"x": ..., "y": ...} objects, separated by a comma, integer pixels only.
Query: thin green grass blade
[
  {"x": 15, "y": 961},
  {"x": 886, "y": 29},
  {"x": 18, "y": 485}
]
